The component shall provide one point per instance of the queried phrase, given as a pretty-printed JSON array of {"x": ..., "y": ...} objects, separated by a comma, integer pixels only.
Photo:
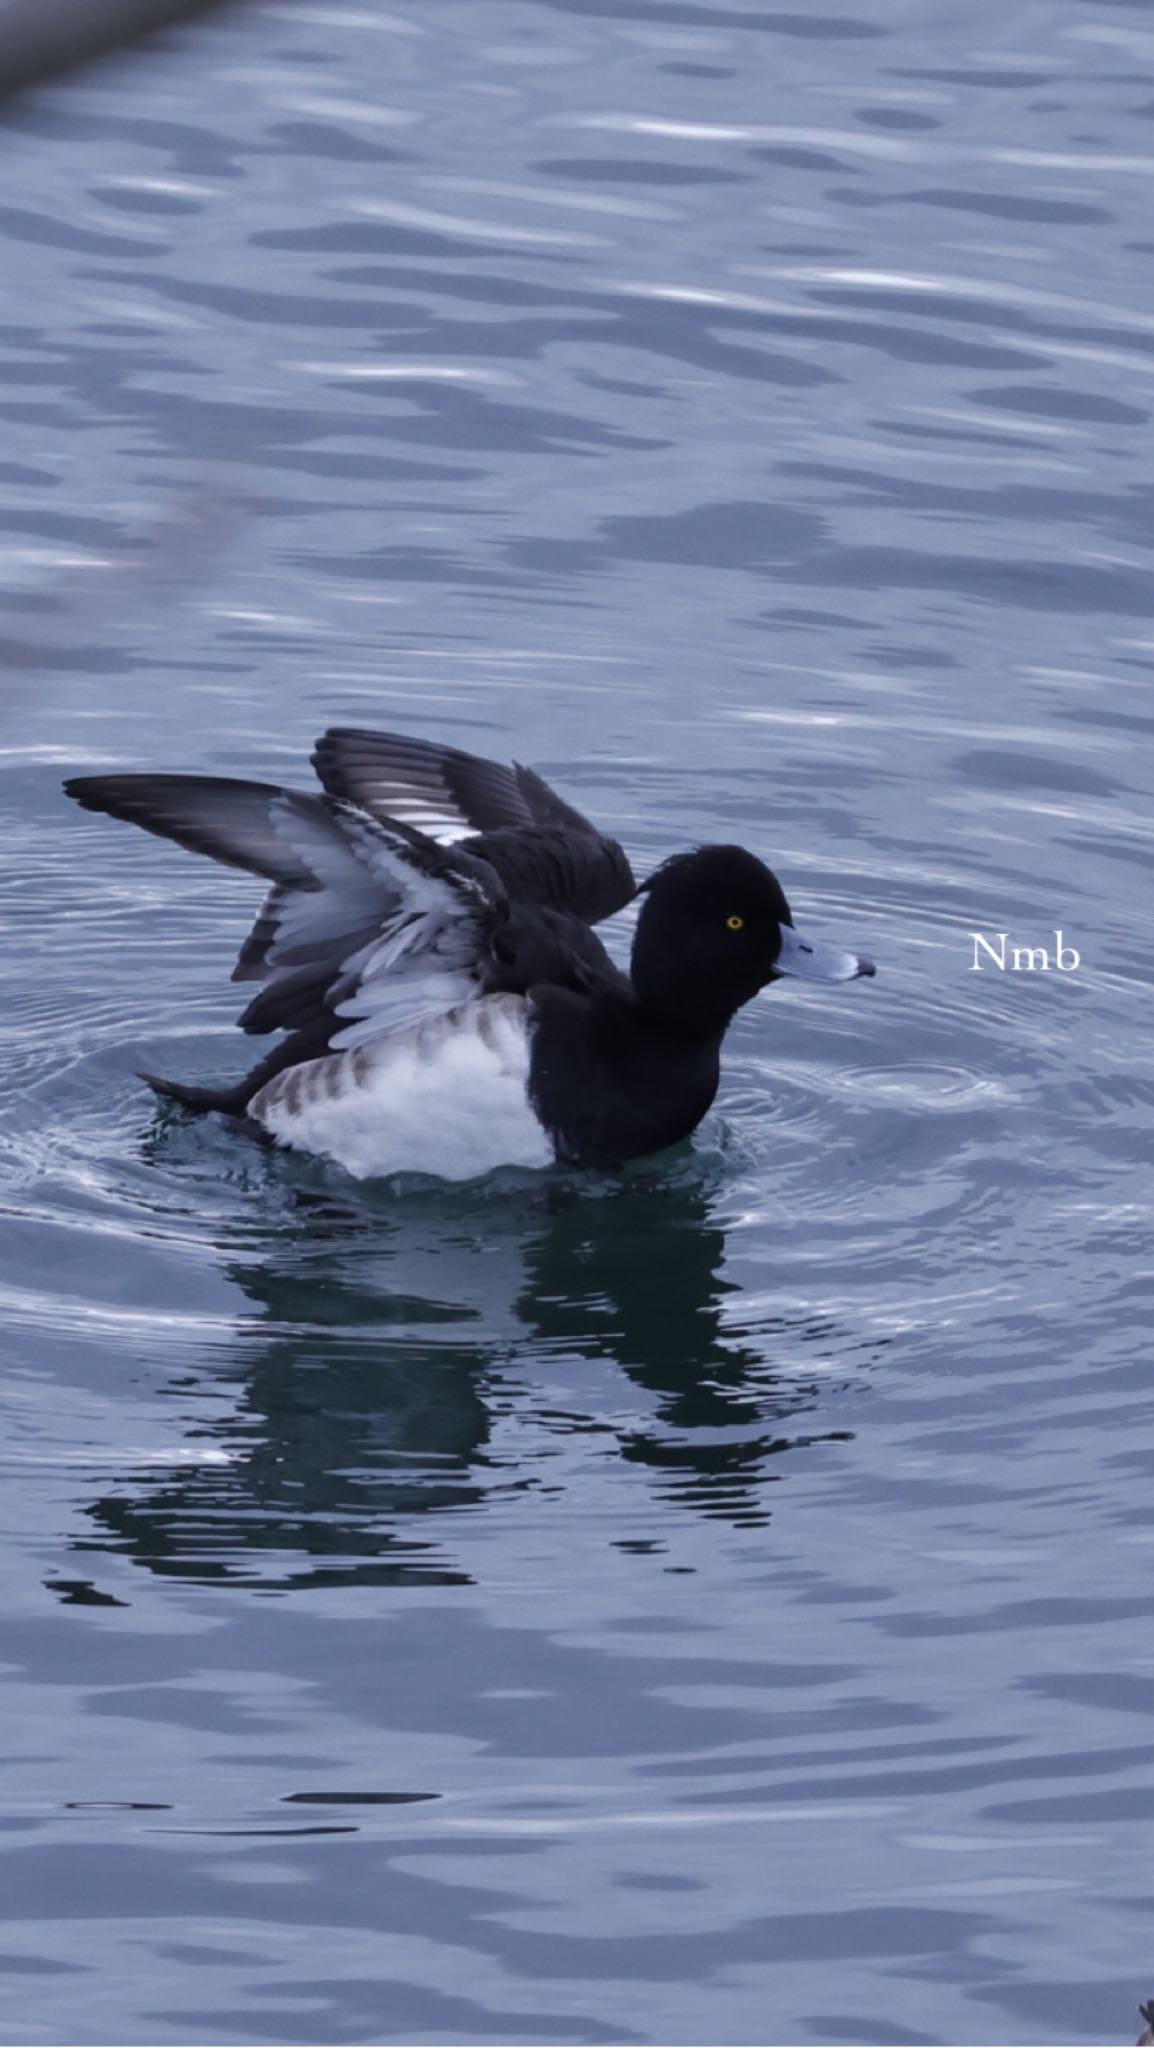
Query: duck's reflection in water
[{"x": 406, "y": 1360}]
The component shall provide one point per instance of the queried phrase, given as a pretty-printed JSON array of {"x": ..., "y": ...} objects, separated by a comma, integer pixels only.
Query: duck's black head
[{"x": 715, "y": 927}]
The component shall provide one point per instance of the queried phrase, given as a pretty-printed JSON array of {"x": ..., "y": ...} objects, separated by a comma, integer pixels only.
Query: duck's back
[{"x": 583, "y": 874}]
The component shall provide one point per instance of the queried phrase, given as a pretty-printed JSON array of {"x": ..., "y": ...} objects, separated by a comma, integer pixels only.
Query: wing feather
[
  {"x": 368, "y": 925},
  {"x": 371, "y": 942},
  {"x": 442, "y": 791},
  {"x": 230, "y": 821},
  {"x": 544, "y": 851}
]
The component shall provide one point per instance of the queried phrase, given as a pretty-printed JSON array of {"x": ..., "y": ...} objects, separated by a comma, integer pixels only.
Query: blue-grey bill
[{"x": 810, "y": 961}]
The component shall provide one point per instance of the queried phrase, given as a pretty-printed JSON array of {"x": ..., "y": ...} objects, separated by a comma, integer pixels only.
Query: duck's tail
[
  {"x": 229, "y": 1101},
  {"x": 234, "y": 1100}
]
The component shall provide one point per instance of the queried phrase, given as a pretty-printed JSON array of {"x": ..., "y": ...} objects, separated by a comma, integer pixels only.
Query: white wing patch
[
  {"x": 380, "y": 938},
  {"x": 448, "y": 1096},
  {"x": 362, "y": 878},
  {"x": 439, "y": 818},
  {"x": 422, "y": 964}
]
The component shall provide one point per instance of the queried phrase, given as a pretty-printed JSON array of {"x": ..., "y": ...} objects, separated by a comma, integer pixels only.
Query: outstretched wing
[
  {"x": 544, "y": 851},
  {"x": 442, "y": 791},
  {"x": 230, "y": 821},
  {"x": 367, "y": 921}
]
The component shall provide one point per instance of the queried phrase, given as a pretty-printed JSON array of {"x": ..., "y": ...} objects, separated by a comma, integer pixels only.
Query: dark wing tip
[
  {"x": 88, "y": 790},
  {"x": 226, "y": 818},
  {"x": 327, "y": 745}
]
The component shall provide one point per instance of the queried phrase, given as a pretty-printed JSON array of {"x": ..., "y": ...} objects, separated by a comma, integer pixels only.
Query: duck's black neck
[
  {"x": 696, "y": 1029},
  {"x": 677, "y": 1004}
]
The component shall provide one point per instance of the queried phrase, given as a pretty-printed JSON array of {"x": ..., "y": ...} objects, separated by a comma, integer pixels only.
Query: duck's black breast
[{"x": 607, "y": 1084}]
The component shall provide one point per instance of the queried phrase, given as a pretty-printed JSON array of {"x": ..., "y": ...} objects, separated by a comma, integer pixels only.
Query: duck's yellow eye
[{"x": 735, "y": 924}]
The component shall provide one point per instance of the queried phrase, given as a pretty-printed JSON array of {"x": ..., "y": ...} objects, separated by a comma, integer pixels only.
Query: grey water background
[{"x": 712, "y": 1604}]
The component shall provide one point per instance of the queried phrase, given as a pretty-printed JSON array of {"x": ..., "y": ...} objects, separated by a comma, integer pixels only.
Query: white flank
[{"x": 447, "y": 1097}]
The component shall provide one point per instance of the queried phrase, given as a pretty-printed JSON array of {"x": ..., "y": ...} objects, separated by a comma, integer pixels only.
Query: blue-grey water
[{"x": 712, "y": 1604}]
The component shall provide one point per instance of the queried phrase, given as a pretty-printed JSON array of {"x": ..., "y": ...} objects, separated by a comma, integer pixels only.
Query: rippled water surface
[{"x": 712, "y": 1604}]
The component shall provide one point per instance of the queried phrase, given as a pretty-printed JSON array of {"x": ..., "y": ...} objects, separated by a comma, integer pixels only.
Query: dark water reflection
[
  {"x": 708, "y": 1606},
  {"x": 359, "y": 1409}
]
